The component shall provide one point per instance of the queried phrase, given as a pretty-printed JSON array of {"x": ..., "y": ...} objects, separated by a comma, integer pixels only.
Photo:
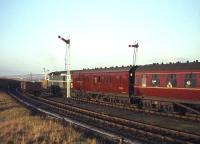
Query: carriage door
[{"x": 132, "y": 80}]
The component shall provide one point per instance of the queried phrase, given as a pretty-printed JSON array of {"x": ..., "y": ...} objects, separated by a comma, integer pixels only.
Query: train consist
[
  {"x": 169, "y": 87},
  {"x": 6, "y": 83},
  {"x": 32, "y": 87}
]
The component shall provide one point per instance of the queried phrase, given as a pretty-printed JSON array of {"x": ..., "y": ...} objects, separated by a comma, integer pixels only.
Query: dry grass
[{"x": 17, "y": 125}]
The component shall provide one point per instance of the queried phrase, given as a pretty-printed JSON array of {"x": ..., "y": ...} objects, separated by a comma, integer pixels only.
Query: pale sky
[{"x": 100, "y": 32}]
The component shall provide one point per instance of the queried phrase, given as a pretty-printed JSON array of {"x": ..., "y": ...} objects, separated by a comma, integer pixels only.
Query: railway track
[
  {"x": 186, "y": 117},
  {"x": 190, "y": 117},
  {"x": 126, "y": 128}
]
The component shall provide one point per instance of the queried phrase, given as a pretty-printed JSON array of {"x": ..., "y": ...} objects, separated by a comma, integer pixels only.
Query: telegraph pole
[
  {"x": 45, "y": 78},
  {"x": 67, "y": 64},
  {"x": 31, "y": 76},
  {"x": 135, "y": 50},
  {"x": 45, "y": 73}
]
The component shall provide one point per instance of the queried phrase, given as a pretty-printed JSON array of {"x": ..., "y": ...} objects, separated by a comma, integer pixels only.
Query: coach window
[
  {"x": 171, "y": 80},
  {"x": 144, "y": 80},
  {"x": 95, "y": 80},
  {"x": 190, "y": 80},
  {"x": 137, "y": 80},
  {"x": 155, "y": 80}
]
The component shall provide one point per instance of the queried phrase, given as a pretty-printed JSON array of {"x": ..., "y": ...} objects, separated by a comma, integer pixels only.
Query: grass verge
[{"x": 19, "y": 125}]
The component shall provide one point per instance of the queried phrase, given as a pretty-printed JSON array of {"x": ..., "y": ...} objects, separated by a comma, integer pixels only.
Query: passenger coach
[
  {"x": 108, "y": 84},
  {"x": 156, "y": 86},
  {"x": 177, "y": 83}
]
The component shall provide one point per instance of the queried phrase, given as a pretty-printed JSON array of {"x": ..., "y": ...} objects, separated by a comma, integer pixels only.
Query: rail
[
  {"x": 193, "y": 117},
  {"x": 27, "y": 102},
  {"x": 126, "y": 128}
]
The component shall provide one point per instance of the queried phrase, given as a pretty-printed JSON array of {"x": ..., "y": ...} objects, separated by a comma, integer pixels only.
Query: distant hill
[{"x": 26, "y": 77}]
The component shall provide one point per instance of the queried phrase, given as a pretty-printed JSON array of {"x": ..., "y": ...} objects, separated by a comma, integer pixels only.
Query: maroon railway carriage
[
  {"x": 163, "y": 85},
  {"x": 156, "y": 86},
  {"x": 159, "y": 86},
  {"x": 110, "y": 84}
]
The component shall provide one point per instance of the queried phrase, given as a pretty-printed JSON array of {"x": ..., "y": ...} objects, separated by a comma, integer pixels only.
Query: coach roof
[
  {"x": 170, "y": 66},
  {"x": 106, "y": 69}
]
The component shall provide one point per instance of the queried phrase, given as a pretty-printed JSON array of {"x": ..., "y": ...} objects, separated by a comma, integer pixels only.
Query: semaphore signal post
[
  {"x": 67, "y": 64},
  {"x": 135, "y": 50}
]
